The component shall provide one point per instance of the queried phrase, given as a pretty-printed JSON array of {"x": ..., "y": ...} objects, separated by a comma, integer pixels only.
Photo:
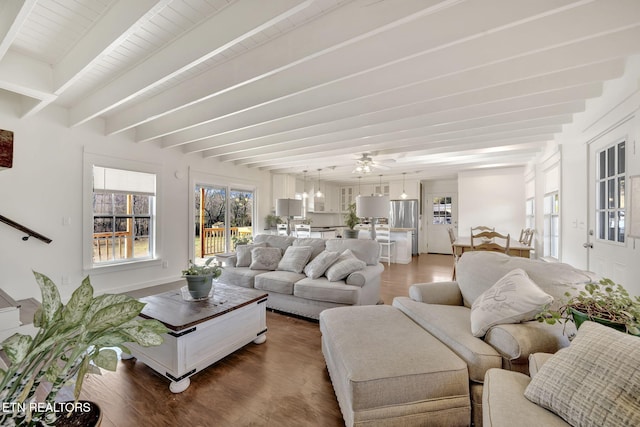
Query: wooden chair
[
  {"x": 452, "y": 238},
  {"x": 490, "y": 241},
  {"x": 482, "y": 228},
  {"x": 383, "y": 237},
  {"x": 303, "y": 230},
  {"x": 282, "y": 229},
  {"x": 523, "y": 235},
  {"x": 528, "y": 238}
]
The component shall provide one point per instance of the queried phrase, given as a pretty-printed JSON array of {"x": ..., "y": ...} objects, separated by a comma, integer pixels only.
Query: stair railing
[{"x": 28, "y": 231}]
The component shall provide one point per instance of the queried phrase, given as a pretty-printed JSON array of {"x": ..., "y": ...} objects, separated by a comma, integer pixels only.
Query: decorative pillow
[
  {"x": 593, "y": 382},
  {"x": 320, "y": 263},
  {"x": 243, "y": 253},
  {"x": 346, "y": 264},
  {"x": 512, "y": 299},
  {"x": 295, "y": 258},
  {"x": 265, "y": 258}
]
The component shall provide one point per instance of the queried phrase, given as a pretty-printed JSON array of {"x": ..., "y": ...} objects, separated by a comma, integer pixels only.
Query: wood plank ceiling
[{"x": 430, "y": 87}]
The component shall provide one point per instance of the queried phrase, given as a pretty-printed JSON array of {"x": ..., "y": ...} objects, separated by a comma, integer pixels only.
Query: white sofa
[{"x": 298, "y": 294}]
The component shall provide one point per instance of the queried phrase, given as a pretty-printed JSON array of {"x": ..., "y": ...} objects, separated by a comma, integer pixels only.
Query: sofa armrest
[
  {"x": 515, "y": 342},
  {"x": 536, "y": 360},
  {"x": 367, "y": 274},
  {"x": 444, "y": 293}
]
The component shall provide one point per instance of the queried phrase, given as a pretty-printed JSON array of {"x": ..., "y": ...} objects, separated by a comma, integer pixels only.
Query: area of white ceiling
[{"x": 430, "y": 87}]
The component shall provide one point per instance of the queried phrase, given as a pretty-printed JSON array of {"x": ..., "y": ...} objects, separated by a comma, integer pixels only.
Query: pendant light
[
  {"x": 319, "y": 193},
  {"x": 381, "y": 192},
  {"x": 304, "y": 191},
  {"x": 404, "y": 194}
]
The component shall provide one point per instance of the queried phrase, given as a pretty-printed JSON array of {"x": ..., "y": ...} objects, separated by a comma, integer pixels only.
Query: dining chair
[
  {"x": 303, "y": 230},
  {"x": 383, "y": 237},
  {"x": 452, "y": 238},
  {"x": 523, "y": 235},
  {"x": 282, "y": 229},
  {"x": 528, "y": 237},
  {"x": 490, "y": 241},
  {"x": 482, "y": 228}
]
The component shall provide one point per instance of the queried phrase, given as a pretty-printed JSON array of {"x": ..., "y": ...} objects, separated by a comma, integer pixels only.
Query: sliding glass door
[{"x": 223, "y": 217}]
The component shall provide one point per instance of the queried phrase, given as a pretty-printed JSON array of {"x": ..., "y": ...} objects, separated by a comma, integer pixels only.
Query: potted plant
[
  {"x": 272, "y": 221},
  {"x": 604, "y": 302},
  {"x": 72, "y": 341},
  {"x": 351, "y": 220},
  {"x": 199, "y": 278},
  {"x": 237, "y": 239}
]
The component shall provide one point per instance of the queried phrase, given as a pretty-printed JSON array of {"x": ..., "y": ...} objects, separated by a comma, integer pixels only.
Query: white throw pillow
[
  {"x": 320, "y": 263},
  {"x": 513, "y": 299},
  {"x": 265, "y": 258},
  {"x": 295, "y": 258},
  {"x": 243, "y": 253},
  {"x": 593, "y": 382},
  {"x": 346, "y": 264}
]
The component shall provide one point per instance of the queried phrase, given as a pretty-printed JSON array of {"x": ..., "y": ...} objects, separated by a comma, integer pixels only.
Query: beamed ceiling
[{"x": 425, "y": 87}]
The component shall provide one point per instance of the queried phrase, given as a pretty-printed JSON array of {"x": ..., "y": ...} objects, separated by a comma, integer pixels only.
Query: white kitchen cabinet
[
  {"x": 347, "y": 196},
  {"x": 283, "y": 186}
]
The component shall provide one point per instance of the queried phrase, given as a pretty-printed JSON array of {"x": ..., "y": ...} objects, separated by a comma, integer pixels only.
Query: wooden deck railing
[
  {"x": 212, "y": 240},
  {"x": 103, "y": 248}
]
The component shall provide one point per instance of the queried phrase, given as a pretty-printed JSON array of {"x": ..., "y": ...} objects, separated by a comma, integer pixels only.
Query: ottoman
[{"x": 386, "y": 370}]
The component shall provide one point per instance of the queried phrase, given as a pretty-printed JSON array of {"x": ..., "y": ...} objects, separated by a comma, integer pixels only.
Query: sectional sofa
[{"x": 278, "y": 265}]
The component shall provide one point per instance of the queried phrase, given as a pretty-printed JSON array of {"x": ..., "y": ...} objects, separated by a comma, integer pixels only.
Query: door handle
[{"x": 587, "y": 245}]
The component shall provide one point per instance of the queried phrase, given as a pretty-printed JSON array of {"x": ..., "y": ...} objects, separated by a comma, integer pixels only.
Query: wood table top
[{"x": 178, "y": 313}]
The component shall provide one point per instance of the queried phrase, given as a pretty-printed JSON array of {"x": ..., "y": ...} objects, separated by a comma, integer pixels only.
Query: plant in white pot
[
  {"x": 351, "y": 220},
  {"x": 72, "y": 341},
  {"x": 199, "y": 278}
]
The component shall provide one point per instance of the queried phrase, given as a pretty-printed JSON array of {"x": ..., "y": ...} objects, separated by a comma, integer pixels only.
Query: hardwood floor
[{"x": 283, "y": 382}]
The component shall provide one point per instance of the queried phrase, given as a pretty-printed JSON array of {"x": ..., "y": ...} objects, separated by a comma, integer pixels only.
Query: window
[
  {"x": 442, "y": 210},
  {"x": 123, "y": 212},
  {"x": 530, "y": 213},
  {"x": 551, "y": 225},
  {"x": 610, "y": 193}
]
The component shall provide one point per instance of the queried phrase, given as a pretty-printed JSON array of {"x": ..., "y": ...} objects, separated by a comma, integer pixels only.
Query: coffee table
[{"x": 201, "y": 332}]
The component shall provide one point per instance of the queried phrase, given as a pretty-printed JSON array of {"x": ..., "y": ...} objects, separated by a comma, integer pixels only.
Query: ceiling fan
[{"x": 365, "y": 164}]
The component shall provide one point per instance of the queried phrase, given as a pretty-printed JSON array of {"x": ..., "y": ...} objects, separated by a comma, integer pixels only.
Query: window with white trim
[
  {"x": 610, "y": 193},
  {"x": 530, "y": 213},
  {"x": 123, "y": 215},
  {"x": 551, "y": 225}
]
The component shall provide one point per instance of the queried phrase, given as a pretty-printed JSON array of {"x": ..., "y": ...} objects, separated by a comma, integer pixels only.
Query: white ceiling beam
[
  {"x": 379, "y": 70},
  {"x": 204, "y": 137},
  {"x": 12, "y": 16},
  {"x": 420, "y": 112},
  {"x": 348, "y": 23},
  {"x": 238, "y": 21},
  {"x": 27, "y": 76},
  {"x": 427, "y": 120}
]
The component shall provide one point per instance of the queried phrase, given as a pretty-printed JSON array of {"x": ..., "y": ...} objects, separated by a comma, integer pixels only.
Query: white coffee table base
[{"x": 184, "y": 353}]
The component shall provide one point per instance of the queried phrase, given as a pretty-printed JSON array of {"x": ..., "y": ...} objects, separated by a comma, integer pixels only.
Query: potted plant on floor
[
  {"x": 351, "y": 220},
  {"x": 199, "y": 278},
  {"x": 72, "y": 341},
  {"x": 604, "y": 302}
]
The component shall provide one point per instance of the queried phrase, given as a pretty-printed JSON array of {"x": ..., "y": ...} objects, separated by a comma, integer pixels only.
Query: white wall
[
  {"x": 606, "y": 119},
  {"x": 495, "y": 198},
  {"x": 45, "y": 185}
]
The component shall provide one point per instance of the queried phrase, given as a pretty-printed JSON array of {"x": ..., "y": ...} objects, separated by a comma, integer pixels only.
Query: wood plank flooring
[{"x": 283, "y": 382}]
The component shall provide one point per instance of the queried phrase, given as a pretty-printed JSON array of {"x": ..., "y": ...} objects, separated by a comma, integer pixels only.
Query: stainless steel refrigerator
[{"x": 404, "y": 214}]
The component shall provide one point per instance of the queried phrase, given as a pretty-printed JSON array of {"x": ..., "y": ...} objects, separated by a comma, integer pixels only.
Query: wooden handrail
[{"x": 30, "y": 232}]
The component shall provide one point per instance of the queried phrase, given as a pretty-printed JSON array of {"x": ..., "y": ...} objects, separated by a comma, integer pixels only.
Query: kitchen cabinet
[
  {"x": 347, "y": 196},
  {"x": 283, "y": 186}
]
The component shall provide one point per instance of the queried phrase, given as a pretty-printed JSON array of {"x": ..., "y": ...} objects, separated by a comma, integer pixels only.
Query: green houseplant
[
  {"x": 605, "y": 302},
  {"x": 272, "y": 220},
  {"x": 351, "y": 220},
  {"x": 72, "y": 341},
  {"x": 199, "y": 278}
]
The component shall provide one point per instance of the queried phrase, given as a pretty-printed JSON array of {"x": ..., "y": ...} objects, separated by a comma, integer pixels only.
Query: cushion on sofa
[
  {"x": 243, "y": 253},
  {"x": 478, "y": 271},
  {"x": 322, "y": 290},
  {"x": 274, "y": 241},
  {"x": 240, "y": 276},
  {"x": 346, "y": 264},
  {"x": 317, "y": 245},
  {"x": 366, "y": 250},
  {"x": 512, "y": 299},
  {"x": 320, "y": 263},
  {"x": 295, "y": 258},
  {"x": 451, "y": 325},
  {"x": 265, "y": 258},
  {"x": 280, "y": 282},
  {"x": 593, "y": 382}
]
